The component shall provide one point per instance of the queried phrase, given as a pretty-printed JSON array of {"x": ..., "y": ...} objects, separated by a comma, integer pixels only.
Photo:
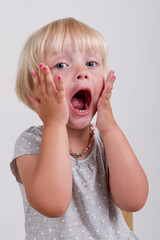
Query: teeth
[{"x": 81, "y": 110}]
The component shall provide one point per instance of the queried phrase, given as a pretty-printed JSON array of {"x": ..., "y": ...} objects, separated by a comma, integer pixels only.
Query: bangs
[{"x": 82, "y": 36}]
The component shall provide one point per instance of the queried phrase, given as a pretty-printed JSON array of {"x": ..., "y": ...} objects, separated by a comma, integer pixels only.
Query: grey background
[{"x": 131, "y": 29}]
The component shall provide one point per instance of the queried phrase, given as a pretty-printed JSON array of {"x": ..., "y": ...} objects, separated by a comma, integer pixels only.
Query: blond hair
[{"x": 54, "y": 35}]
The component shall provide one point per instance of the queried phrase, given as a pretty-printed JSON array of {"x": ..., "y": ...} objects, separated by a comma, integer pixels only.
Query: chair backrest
[{"x": 128, "y": 216}]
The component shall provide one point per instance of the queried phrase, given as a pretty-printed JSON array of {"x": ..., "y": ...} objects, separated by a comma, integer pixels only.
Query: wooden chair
[{"x": 128, "y": 216}]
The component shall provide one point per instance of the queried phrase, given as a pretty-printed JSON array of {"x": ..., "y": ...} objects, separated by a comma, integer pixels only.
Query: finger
[
  {"x": 60, "y": 86},
  {"x": 110, "y": 79},
  {"x": 36, "y": 82},
  {"x": 42, "y": 79},
  {"x": 35, "y": 77},
  {"x": 60, "y": 89},
  {"x": 50, "y": 85},
  {"x": 107, "y": 93}
]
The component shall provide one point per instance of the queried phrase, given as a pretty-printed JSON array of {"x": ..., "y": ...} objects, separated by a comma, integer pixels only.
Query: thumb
[{"x": 35, "y": 103}]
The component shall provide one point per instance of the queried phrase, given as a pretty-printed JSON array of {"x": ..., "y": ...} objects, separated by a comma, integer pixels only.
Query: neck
[
  {"x": 82, "y": 147},
  {"x": 78, "y": 138},
  {"x": 78, "y": 133}
]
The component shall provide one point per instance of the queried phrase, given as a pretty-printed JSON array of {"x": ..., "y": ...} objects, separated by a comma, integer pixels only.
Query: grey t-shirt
[{"x": 91, "y": 215}]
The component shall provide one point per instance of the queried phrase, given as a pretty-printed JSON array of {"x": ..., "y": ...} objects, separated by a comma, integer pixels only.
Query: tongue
[{"x": 78, "y": 103}]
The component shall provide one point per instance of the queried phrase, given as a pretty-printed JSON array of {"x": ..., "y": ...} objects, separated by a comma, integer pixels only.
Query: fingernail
[
  {"x": 44, "y": 68},
  {"x": 30, "y": 99},
  {"x": 59, "y": 77},
  {"x": 114, "y": 77},
  {"x": 41, "y": 65}
]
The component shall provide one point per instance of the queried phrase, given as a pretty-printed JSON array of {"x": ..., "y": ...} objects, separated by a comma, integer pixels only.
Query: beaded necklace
[
  {"x": 87, "y": 149},
  {"x": 89, "y": 146}
]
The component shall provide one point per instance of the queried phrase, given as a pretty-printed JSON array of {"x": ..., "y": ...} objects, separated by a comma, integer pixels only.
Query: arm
[
  {"x": 128, "y": 182},
  {"x": 47, "y": 177}
]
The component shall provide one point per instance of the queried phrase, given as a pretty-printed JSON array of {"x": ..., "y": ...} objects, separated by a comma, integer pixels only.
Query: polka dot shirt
[{"x": 91, "y": 215}]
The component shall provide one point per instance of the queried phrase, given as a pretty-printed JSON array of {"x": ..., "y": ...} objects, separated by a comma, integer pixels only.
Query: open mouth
[{"x": 81, "y": 101}]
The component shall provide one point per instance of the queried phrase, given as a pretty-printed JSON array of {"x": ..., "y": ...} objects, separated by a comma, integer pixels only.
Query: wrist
[
  {"x": 53, "y": 125},
  {"x": 110, "y": 129}
]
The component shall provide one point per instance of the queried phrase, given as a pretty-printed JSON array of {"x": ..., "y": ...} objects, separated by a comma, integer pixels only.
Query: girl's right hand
[{"x": 50, "y": 102}]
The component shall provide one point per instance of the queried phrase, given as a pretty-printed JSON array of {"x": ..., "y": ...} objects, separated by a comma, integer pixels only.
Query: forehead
[
  {"x": 70, "y": 46},
  {"x": 72, "y": 53}
]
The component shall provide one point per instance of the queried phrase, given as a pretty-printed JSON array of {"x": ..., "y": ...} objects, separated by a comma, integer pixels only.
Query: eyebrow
[
  {"x": 54, "y": 57},
  {"x": 66, "y": 54}
]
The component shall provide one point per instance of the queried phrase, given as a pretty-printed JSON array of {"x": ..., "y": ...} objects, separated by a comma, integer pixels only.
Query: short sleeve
[{"x": 27, "y": 143}]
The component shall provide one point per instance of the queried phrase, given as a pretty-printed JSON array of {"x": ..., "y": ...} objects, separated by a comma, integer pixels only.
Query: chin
[{"x": 79, "y": 123}]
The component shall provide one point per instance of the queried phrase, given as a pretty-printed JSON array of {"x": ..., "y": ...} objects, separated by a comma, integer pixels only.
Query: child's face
[{"x": 83, "y": 77}]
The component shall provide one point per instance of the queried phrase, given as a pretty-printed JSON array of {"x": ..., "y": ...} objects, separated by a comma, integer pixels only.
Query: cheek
[
  {"x": 55, "y": 76},
  {"x": 99, "y": 87},
  {"x": 63, "y": 74},
  {"x": 67, "y": 90}
]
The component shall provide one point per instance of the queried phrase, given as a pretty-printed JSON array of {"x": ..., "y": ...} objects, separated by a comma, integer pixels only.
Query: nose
[{"x": 82, "y": 75}]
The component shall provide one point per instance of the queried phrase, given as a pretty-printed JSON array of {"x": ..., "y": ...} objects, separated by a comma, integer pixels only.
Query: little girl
[{"x": 74, "y": 177}]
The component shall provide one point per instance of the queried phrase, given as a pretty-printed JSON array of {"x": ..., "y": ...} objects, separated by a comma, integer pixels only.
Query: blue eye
[
  {"x": 61, "y": 65},
  {"x": 91, "y": 64}
]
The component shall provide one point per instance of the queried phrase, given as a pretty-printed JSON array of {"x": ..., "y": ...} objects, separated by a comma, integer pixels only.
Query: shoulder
[
  {"x": 29, "y": 136},
  {"x": 30, "y": 132},
  {"x": 28, "y": 142}
]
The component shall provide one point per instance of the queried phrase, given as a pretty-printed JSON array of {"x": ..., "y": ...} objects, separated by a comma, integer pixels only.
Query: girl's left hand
[{"x": 105, "y": 119}]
